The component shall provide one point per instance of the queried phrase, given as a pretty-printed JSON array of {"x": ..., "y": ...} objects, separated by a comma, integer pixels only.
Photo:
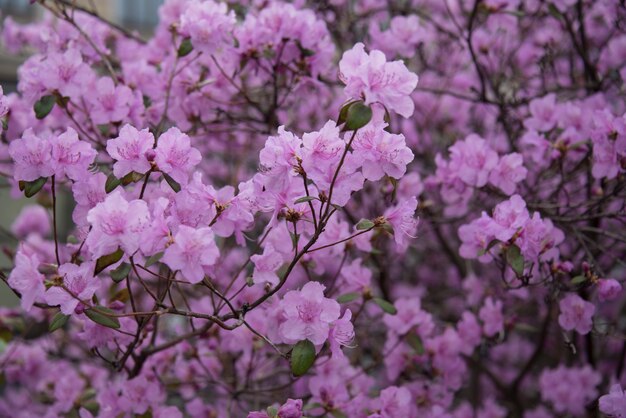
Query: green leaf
[
  {"x": 304, "y": 199},
  {"x": 364, "y": 224},
  {"x": 111, "y": 183},
  {"x": 108, "y": 260},
  {"x": 302, "y": 357},
  {"x": 185, "y": 47},
  {"x": 358, "y": 116},
  {"x": 131, "y": 177},
  {"x": 294, "y": 239},
  {"x": 343, "y": 113},
  {"x": 514, "y": 258},
  {"x": 31, "y": 188},
  {"x": 120, "y": 273},
  {"x": 173, "y": 183},
  {"x": 272, "y": 411},
  {"x": 58, "y": 321},
  {"x": 98, "y": 316},
  {"x": 348, "y": 297},
  {"x": 385, "y": 306},
  {"x": 338, "y": 414},
  {"x": 554, "y": 11},
  {"x": 416, "y": 343},
  {"x": 147, "y": 101},
  {"x": 153, "y": 259},
  {"x": 491, "y": 244},
  {"x": 44, "y": 106},
  {"x": 578, "y": 280}
]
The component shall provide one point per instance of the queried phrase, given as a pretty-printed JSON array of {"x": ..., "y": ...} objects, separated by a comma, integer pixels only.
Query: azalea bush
[{"x": 318, "y": 209}]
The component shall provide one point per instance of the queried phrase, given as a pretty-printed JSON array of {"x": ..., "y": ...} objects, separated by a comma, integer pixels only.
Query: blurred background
[{"x": 139, "y": 15}]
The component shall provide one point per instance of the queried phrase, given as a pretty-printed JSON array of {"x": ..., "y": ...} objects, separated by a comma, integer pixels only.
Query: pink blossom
[
  {"x": 608, "y": 289},
  {"x": 576, "y": 314},
  {"x": 321, "y": 151},
  {"x": 402, "y": 37},
  {"x": 33, "y": 219},
  {"x": 116, "y": 222},
  {"x": 403, "y": 221},
  {"x": 509, "y": 171},
  {"x": 110, "y": 103},
  {"x": 32, "y": 156},
  {"x": 291, "y": 409},
  {"x": 395, "y": 402},
  {"x": 79, "y": 281},
  {"x": 476, "y": 236},
  {"x": 613, "y": 403},
  {"x": 372, "y": 78},
  {"x": 381, "y": 152},
  {"x": 70, "y": 156},
  {"x": 192, "y": 250},
  {"x": 209, "y": 24},
  {"x": 279, "y": 156},
  {"x": 129, "y": 150},
  {"x": 88, "y": 191},
  {"x": 491, "y": 315},
  {"x": 508, "y": 217},
  {"x": 67, "y": 73},
  {"x": 341, "y": 333},
  {"x": 410, "y": 314},
  {"x": 473, "y": 160},
  {"x": 543, "y": 115},
  {"x": 308, "y": 314},
  {"x": 26, "y": 279},
  {"x": 266, "y": 265},
  {"x": 555, "y": 387},
  {"x": 175, "y": 155}
]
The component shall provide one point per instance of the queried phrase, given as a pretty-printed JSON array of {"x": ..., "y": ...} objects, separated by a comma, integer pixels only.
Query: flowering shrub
[{"x": 272, "y": 216}]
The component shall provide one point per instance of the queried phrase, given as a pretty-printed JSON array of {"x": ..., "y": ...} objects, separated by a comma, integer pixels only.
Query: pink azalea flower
[
  {"x": 473, "y": 160},
  {"x": 115, "y": 222},
  {"x": 509, "y": 171},
  {"x": 192, "y": 250},
  {"x": 402, "y": 219},
  {"x": 613, "y": 404},
  {"x": 67, "y": 73},
  {"x": 209, "y": 24},
  {"x": 381, "y": 152},
  {"x": 110, "y": 103},
  {"x": 308, "y": 314},
  {"x": 70, "y": 156},
  {"x": 80, "y": 281},
  {"x": 491, "y": 315},
  {"x": 508, "y": 217},
  {"x": 556, "y": 387},
  {"x": 88, "y": 191},
  {"x": 576, "y": 314},
  {"x": 279, "y": 155},
  {"x": 32, "y": 156},
  {"x": 175, "y": 155},
  {"x": 543, "y": 114},
  {"x": 410, "y": 314},
  {"x": 33, "y": 219},
  {"x": 475, "y": 237},
  {"x": 321, "y": 151},
  {"x": 266, "y": 265},
  {"x": 26, "y": 279},
  {"x": 341, "y": 333},
  {"x": 129, "y": 150},
  {"x": 372, "y": 78},
  {"x": 608, "y": 289},
  {"x": 395, "y": 402}
]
